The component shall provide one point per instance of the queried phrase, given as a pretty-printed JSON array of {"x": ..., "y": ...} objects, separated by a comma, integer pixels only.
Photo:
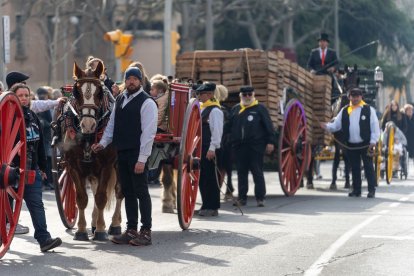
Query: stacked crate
[{"x": 269, "y": 72}]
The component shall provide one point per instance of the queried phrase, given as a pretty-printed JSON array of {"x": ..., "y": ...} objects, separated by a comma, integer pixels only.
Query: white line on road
[
  {"x": 323, "y": 260},
  {"x": 383, "y": 212},
  {"x": 403, "y": 199},
  {"x": 395, "y": 204},
  {"x": 401, "y": 238}
]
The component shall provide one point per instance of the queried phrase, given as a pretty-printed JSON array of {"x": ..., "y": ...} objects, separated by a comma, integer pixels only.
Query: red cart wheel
[
  {"x": 65, "y": 191},
  {"x": 293, "y": 148},
  {"x": 189, "y": 164},
  {"x": 12, "y": 179}
]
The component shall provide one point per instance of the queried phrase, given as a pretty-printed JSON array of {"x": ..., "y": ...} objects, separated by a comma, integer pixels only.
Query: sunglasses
[{"x": 245, "y": 94}]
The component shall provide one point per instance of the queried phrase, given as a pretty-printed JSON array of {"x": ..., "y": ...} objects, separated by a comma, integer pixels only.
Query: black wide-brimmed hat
[{"x": 323, "y": 36}]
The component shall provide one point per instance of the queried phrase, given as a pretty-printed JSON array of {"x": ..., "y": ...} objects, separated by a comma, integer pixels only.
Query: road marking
[
  {"x": 316, "y": 267},
  {"x": 401, "y": 238},
  {"x": 403, "y": 199},
  {"x": 383, "y": 212},
  {"x": 395, "y": 204}
]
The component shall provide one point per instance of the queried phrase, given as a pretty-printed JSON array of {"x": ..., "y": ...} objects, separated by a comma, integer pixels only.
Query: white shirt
[
  {"x": 149, "y": 116},
  {"x": 354, "y": 133},
  {"x": 216, "y": 121},
  {"x": 42, "y": 105}
]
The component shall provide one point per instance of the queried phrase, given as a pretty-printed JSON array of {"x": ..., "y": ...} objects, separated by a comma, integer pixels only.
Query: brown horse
[{"x": 86, "y": 116}]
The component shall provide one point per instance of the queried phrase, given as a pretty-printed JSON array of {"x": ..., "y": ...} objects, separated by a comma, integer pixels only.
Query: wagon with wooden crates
[{"x": 296, "y": 99}]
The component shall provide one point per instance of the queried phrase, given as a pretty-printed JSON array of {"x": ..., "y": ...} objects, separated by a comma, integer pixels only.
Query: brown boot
[
  {"x": 125, "y": 237},
  {"x": 143, "y": 238}
]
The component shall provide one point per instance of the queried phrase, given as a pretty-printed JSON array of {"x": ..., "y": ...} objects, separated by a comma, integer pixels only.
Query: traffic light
[
  {"x": 122, "y": 42},
  {"x": 175, "y": 46}
]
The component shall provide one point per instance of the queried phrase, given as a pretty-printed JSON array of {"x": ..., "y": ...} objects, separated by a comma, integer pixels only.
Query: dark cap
[
  {"x": 15, "y": 77},
  {"x": 355, "y": 92},
  {"x": 206, "y": 87},
  {"x": 246, "y": 89},
  {"x": 323, "y": 36},
  {"x": 133, "y": 71}
]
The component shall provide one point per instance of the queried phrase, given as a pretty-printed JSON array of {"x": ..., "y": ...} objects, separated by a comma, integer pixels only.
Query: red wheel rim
[
  {"x": 188, "y": 167},
  {"x": 293, "y": 148},
  {"x": 12, "y": 129}
]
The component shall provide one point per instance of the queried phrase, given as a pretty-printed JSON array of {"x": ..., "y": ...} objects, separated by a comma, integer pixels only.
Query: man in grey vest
[
  {"x": 131, "y": 129},
  {"x": 359, "y": 124}
]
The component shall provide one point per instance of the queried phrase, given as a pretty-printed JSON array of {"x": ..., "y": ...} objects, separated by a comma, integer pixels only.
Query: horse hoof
[
  {"x": 93, "y": 229},
  {"x": 81, "y": 236},
  {"x": 114, "y": 230},
  {"x": 100, "y": 236}
]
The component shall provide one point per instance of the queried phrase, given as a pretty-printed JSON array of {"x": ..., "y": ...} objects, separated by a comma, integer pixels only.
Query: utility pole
[
  {"x": 166, "y": 46},
  {"x": 209, "y": 26},
  {"x": 337, "y": 29}
]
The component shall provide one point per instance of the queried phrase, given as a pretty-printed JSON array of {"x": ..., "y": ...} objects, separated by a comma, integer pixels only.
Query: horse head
[
  {"x": 352, "y": 79},
  {"x": 88, "y": 94}
]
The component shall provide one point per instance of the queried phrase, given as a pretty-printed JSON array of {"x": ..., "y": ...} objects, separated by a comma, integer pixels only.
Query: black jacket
[
  {"x": 315, "y": 61},
  {"x": 252, "y": 127}
]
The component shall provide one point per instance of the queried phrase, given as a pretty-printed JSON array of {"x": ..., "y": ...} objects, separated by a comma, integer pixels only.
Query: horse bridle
[{"x": 89, "y": 107}]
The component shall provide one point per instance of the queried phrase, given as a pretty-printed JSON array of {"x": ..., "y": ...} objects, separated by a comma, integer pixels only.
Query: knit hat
[{"x": 133, "y": 71}]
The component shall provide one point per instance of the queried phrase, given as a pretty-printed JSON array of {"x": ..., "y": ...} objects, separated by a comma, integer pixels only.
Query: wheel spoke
[{"x": 14, "y": 151}]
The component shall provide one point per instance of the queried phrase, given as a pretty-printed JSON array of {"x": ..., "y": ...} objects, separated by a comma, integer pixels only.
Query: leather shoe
[
  {"x": 371, "y": 195},
  {"x": 354, "y": 194}
]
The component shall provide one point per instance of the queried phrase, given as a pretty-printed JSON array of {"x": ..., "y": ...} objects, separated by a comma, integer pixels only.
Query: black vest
[
  {"x": 127, "y": 128},
  {"x": 205, "y": 127},
  {"x": 364, "y": 124}
]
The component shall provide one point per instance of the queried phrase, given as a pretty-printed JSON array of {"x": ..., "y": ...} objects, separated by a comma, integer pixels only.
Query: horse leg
[
  {"x": 168, "y": 194},
  {"x": 82, "y": 202},
  {"x": 94, "y": 186},
  {"x": 115, "y": 227}
]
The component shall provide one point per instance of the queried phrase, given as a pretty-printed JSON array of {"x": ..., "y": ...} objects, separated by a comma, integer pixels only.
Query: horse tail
[{"x": 110, "y": 189}]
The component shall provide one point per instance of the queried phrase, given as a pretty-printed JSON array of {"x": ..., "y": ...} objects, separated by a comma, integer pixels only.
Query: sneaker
[
  {"x": 371, "y": 195},
  {"x": 20, "y": 229},
  {"x": 333, "y": 186},
  {"x": 50, "y": 244},
  {"x": 228, "y": 195},
  {"x": 240, "y": 202},
  {"x": 167, "y": 209},
  {"x": 260, "y": 203},
  {"x": 125, "y": 237},
  {"x": 208, "y": 213},
  {"x": 143, "y": 238},
  {"x": 309, "y": 185}
]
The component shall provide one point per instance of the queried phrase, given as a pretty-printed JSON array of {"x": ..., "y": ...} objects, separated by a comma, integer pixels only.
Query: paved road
[{"x": 316, "y": 232}]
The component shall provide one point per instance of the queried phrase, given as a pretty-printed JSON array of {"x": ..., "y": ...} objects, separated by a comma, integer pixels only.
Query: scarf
[
  {"x": 353, "y": 107},
  {"x": 244, "y": 107},
  {"x": 210, "y": 102}
]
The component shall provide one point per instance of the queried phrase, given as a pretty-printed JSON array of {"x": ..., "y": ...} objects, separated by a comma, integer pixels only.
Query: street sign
[{"x": 6, "y": 39}]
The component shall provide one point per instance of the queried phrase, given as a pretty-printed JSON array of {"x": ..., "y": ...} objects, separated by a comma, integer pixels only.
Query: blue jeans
[{"x": 33, "y": 198}]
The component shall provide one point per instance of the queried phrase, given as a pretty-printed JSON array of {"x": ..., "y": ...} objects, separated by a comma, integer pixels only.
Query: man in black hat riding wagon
[{"x": 323, "y": 60}]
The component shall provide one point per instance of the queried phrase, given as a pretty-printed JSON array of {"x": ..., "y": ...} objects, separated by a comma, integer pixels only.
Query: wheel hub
[
  {"x": 9, "y": 176},
  {"x": 193, "y": 163}
]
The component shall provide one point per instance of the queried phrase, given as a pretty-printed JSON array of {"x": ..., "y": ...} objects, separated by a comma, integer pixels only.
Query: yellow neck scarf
[
  {"x": 353, "y": 107},
  {"x": 244, "y": 107},
  {"x": 210, "y": 102}
]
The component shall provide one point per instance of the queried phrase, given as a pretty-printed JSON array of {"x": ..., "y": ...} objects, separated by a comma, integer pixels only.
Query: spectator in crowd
[
  {"x": 408, "y": 110},
  {"x": 212, "y": 131},
  {"x": 45, "y": 118},
  {"x": 225, "y": 155},
  {"x": 360, "y": 127},
  {"x": 91, "y": 63},
  {"x": 36, "y": 160},
  {"x": 393, "y": 113},
  {"x": 252, "y": 135},
  {"x": 131, "y": 128}
]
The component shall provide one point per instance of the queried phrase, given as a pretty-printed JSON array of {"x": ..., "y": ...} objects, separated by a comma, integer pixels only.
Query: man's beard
[
  {"x": 132, "y": 89},
  {"x": 247, "y": 101}
]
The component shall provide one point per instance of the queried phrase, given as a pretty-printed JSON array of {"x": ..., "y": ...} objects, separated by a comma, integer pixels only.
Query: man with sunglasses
[
  {"x": 212, "y": 131},
  {"x": 359, "y": 125},
  {"x": 252, "y": 135}
]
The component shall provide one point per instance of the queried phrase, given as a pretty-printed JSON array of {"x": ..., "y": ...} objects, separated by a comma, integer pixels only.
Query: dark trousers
[
  {"x": 225, "y": 163},
  {"x": 355, "y": 157},
  {"x": 135, "y": 188},
  {"x": 249, "y": 159},
  {"x": 337, "y": 159},
  {"x": 33, "y": 199},
  {"x": 209, "y": 189}
]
